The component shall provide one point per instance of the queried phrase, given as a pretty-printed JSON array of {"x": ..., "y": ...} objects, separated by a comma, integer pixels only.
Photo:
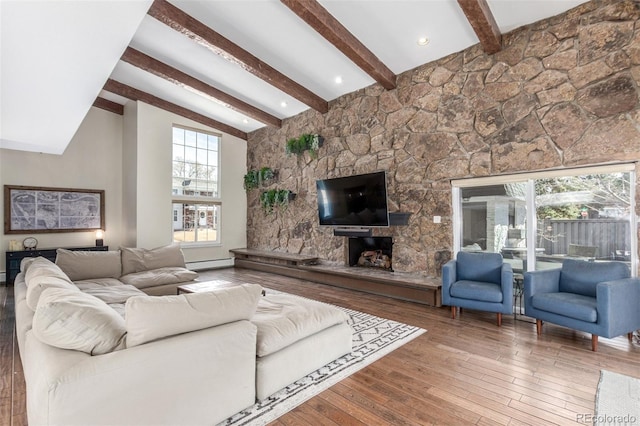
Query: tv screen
[{"x": 358, "y": 200}]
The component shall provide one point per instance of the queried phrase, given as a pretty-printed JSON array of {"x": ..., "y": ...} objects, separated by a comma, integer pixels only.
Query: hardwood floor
[{"x": 462, "y": 371}]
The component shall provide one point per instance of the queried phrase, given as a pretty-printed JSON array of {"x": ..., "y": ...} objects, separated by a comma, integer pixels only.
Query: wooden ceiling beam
[
  {"x": 319, "y": 18},
  {"x": 481, "y": 19},
  {"x": 108, "y": 105},
  {"x": 179, "y": 78},
  {"x": 202, "y": 34},
  {"x": 134, "y": 94}
]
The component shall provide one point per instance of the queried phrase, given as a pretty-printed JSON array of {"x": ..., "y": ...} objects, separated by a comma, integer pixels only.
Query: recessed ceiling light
[
  {"x": 283, "y": 104},
  {"x": 423, "y": 41},
  {"x": 245, "y": 121},
  {"x": 338, "y": 80}
]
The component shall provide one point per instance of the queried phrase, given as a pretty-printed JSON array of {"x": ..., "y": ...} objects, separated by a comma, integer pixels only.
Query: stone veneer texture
[{"x": 562, "y": 92}]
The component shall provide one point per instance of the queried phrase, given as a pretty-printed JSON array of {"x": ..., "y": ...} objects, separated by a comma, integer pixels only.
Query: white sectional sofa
[{"x": 99, "y": 351}]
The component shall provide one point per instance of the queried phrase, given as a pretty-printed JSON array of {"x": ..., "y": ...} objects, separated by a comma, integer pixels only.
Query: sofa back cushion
[
  {"x": 140, "y": 259},
  {"x": 75, "y": 320},
  {"x": 42, "y": 274},
  {"x": 582, "y": 277},
  {"x": 150, "y": 318},
  {"x": 86, "y": 265},
  {"x": 485, "y": 267}
]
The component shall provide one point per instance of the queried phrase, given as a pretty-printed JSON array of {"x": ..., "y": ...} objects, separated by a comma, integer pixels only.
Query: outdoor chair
[
  {"x": 595, "y": 297},
  {"x": 480, "y": 281}
]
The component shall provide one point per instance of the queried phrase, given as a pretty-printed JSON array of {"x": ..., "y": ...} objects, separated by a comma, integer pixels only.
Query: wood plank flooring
[{"x": 461, "y": 372}]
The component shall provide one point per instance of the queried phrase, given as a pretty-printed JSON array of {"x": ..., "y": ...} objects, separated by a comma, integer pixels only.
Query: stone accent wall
[{"x": 563, "y": 92}]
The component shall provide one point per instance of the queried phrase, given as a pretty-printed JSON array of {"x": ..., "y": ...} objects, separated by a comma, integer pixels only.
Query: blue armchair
[
  {"x": 595, "y": 297},
  {"x": 479, "y": 281}
]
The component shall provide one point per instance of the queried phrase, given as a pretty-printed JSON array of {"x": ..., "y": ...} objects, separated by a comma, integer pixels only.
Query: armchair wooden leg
[
  {"x": 594, "y": 342},
  {"x": 499, "y": 319},
  {"x": 539, "y": 327},
  {"x": 453, "y": 312},
  {"x": 630, "y": 336}
]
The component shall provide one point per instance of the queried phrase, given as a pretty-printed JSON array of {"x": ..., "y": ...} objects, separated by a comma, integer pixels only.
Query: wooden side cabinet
[{"x": 13, "y": 258}]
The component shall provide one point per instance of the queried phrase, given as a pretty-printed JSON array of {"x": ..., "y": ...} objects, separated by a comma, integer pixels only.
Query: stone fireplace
[{"x": 375, "y": 252}]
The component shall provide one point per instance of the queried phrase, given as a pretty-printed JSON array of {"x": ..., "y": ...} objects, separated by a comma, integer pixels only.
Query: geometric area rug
[
  {"x": 617, "y": 399},
  {"x": 373, "y": 338}
]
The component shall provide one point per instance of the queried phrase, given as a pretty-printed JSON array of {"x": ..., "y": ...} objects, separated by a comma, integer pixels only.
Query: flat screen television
[{"x": 358, "y": 200}]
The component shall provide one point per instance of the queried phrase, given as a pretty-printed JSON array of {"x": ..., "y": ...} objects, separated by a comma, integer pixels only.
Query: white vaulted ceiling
[{"x": 57, "y": 55}]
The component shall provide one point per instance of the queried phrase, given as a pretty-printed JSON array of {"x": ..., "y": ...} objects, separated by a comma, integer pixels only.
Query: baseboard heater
[{"x": 210, "y": 264}]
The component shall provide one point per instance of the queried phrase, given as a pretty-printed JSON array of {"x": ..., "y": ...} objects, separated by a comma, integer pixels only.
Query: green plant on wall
[
  {"x": 255, "y": 178},
  {"x": 306, "y": 142},
  {"x": 275, "y": 198}
]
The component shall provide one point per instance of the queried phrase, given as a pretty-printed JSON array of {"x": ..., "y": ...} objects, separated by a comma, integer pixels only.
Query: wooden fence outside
[{"x": 611, "y": 236}]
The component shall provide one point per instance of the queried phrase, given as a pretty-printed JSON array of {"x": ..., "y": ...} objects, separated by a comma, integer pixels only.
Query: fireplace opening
[{"x": 373, "y": 252}]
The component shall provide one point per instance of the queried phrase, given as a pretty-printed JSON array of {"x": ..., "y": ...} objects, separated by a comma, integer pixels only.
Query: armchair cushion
[
  {"x": 477, "y": 290},
  {"x": 570, "y": 305},
  {"x": 580, "y": 277},
  {"x": 485, "y": 267}
]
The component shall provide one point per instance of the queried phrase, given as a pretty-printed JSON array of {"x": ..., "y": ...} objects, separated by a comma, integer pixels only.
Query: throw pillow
[
  {"x": 140, "y": 259},
  {"x": 85, "y": 265},
  {"x": 150, "y": 318},
  {"x": 78, "y": 321}
]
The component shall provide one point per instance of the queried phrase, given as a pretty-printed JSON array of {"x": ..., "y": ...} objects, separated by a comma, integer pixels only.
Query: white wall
[
  {"x": 92, "y": 160},
  {"x": 153, "y": 185},
  {"x": 129, "y": 173},
  {"x": 130, "y": 158}
]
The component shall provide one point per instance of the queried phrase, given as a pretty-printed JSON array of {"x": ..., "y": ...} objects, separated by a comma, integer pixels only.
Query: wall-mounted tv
[{"x": 358, "y": 200}]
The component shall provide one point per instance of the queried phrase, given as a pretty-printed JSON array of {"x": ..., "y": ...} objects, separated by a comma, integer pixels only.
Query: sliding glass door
[{"x": 538, "y": 220}]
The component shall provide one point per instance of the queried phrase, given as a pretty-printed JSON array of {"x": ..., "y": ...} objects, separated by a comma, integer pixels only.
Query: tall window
[
  {"x": 537, "y": 220},
  {"x": 196, "y": 186}
]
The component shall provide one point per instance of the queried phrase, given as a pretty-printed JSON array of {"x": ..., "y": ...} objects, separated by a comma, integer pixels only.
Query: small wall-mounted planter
[
  {"x": 306, "y": 142},
  {"x": 275, "y": 198},
  {"x": 257, "y": 178},
  {"x": 399, "y": 218}
]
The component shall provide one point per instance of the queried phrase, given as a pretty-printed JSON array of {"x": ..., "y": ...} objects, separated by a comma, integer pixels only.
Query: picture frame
[{"x": 34, "y": 209}]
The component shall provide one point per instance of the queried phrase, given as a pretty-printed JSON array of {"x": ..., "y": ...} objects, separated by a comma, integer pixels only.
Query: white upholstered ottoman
[{"x": 296, "y": 336}]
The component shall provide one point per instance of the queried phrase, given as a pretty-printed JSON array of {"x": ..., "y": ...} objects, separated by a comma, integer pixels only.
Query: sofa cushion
[
  {"x": 283, "y": 319},
  {"x": 74, "y": 320},
  {"x": 159, "y": 276},
  {"x": 150, "y": 318},
  {"x": 43, "y": 274},
  {"x": 570, "y": 305},
  {"x": 114, "y": 294},
  {"x": 476, "y": 290},
  {"x": 97, "y": 283},
  {"x": 41, "y": 267},
  {"x": 25, "y": 263},
  {"x": 140, "y": 259},
  {"x": 83, "y": 265}
]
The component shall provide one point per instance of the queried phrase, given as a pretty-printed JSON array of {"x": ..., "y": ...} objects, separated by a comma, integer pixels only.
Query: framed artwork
[{"x": 32, "y": 209}]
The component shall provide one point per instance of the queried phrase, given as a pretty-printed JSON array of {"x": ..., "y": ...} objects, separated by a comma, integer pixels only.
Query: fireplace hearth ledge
[{"x": 411, "y": 286}]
